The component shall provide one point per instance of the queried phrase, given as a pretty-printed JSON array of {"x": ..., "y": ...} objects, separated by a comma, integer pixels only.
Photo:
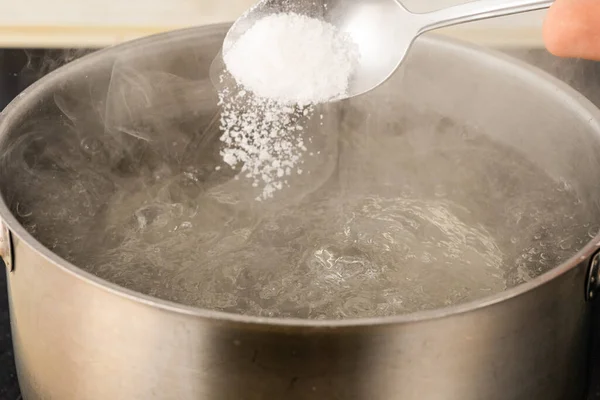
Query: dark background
[{"x": 19, "y": 68}]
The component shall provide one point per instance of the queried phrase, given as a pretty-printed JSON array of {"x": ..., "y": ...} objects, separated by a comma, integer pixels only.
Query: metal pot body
[{"x": 79, "y": 338}]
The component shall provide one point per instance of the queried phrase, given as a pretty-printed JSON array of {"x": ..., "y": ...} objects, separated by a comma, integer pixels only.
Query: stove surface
[
  {"x": 9, "y": 387},
  {"x": 20, "y": 68}
]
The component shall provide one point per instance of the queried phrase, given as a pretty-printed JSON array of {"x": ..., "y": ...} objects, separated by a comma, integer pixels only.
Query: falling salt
[
  {"x": 261, "y": 139},
  {"x": 283, "y": 66}
]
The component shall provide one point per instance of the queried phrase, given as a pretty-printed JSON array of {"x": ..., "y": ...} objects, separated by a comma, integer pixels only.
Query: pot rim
[{"x": 574, "y": 99}]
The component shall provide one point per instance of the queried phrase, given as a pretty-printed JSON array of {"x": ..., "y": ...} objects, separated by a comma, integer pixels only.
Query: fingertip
[
  {"x": 557, "y": 39},
  {"x": 572, "y": 29}
]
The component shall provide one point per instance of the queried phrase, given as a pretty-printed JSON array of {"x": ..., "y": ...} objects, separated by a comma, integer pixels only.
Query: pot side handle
[
  {"x": 6, "y": 252},
  {"x": 592, "y": 285}
]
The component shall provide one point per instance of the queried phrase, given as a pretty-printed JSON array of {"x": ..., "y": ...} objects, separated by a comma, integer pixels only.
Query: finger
[{"x": 572, "y": 29}]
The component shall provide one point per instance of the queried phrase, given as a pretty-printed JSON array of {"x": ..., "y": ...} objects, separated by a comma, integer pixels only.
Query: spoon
[{"x": 383, "y": 30}]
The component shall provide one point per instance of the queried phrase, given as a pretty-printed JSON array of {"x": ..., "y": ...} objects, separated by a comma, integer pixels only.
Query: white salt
[
  {"x": 293, "y": 59},
  {"x": 260, "y": 138},
  {"x": 283, "y": 66}
]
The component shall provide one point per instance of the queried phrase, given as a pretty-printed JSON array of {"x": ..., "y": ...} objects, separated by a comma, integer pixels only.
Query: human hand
[{"x": 572, "y": 29}]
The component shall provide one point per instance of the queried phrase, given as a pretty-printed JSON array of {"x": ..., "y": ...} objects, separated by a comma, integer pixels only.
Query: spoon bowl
[{"x": 383, "y": 30}]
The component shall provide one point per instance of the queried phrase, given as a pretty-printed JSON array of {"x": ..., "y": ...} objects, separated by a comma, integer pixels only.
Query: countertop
[{"x": 97, "y": 23}]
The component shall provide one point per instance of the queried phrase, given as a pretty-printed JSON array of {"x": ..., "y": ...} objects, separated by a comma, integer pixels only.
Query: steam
[
  {"x": 41, "y": 62},
  {"x": 582, "y": 75}
]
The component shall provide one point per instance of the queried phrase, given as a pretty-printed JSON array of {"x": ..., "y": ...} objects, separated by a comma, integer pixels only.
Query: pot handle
[
  {"x": 592, "y": 286},
  {"x": 6, "y": 252}
]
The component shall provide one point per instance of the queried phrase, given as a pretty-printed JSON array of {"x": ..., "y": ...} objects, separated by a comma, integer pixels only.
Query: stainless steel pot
[{"x": 79, "y": 337}]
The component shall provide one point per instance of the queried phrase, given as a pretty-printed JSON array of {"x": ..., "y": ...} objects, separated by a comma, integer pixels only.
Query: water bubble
[
  {"x": 185, "y": 225},
  {"x": 91, "y": 145}
]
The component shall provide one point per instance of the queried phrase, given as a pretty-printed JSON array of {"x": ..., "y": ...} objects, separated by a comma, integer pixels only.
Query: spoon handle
[{"x": 478, "y": 10}]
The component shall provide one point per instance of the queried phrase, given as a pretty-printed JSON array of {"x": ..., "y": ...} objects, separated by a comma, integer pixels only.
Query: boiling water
[{"x": 404, "y": 220}]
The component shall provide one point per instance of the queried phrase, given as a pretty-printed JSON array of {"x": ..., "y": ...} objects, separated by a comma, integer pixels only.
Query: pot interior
[{"x": 463, "y": 175}]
